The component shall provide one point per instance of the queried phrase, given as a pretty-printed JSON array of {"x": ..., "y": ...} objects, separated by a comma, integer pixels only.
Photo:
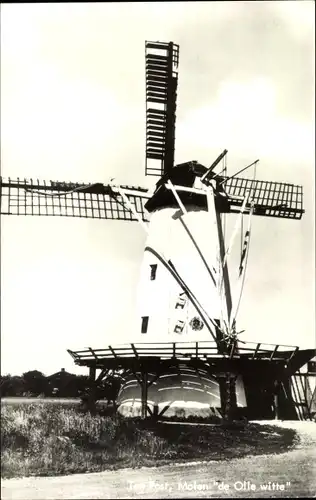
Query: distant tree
[
  {"x": 60, "y": 384},
  {"x": 36, "y": 383},
  {"x": 11, "y": 385}
]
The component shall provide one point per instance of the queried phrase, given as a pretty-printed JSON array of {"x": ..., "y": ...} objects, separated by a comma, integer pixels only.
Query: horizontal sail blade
[
  {"x": 272, "y": 199},
  {"x": 68, "y": 199}
]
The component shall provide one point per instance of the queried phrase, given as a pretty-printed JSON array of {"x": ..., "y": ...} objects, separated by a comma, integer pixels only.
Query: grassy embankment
[{"x": 43, "y": 439}]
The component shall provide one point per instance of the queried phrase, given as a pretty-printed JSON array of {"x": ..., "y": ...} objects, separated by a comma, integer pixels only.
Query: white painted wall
[{"x": 158, "y": 298}]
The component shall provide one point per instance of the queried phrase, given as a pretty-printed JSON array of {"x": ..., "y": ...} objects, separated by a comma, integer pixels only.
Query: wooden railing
[{"x": 169, "y": 350}]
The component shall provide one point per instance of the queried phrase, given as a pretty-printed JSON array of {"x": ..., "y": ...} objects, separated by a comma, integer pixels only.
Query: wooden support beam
[
  {"x": 104, "y": 372},
  {"x": 208, "y": 174},
  {"x": 165, "y": 408},
  {"x": 293, "y": 354},
  {"x": 144, "y": 393},
  {"x": 134, "y": 351},
  {"x": 132, "y": 208},
  {"x": 93, "y": 353},
  {"x": 274, "y": 351},
  {"x": 92, "y": 390},
  {"x": 276, "y": 400},
  {"x": 231, "y": 402},
  {"x": 223, "y": 278},
  {"x": 303, "y": 384},
  {"x": 92, "y": 371},
  {"x": 149, "y": 411},
  {"x": 112, "y": 351},
  {"x": 155, "y": 414},
  {"x": 227, "y": 385},
  {"x": 297, "y": 397},
  {"x": 73, "y": 354},
  {"x": 256, "y": 351},
  {"x": 177, "y": 197},
  {"x": 312, "y": 403}
]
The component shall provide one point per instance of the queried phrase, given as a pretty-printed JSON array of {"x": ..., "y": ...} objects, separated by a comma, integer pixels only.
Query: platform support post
[
  {"x": 144, "y": 393},
  {"x": 232, "y": 397},
  {"x": 276, "y": 400},
  {"x": 92, "y": 390},
  {"x": 227, "y": 382}
]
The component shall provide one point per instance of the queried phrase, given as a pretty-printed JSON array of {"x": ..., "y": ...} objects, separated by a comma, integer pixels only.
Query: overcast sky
[{"x": 73, "y": 109}]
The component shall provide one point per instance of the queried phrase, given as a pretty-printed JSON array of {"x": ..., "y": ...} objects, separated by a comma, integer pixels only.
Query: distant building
[{"x": 63, "y": 384}]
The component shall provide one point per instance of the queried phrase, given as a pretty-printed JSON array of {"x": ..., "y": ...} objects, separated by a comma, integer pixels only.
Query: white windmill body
[
  {"x": 187, "y": 236},
  {"x": 161, "y": 298}
]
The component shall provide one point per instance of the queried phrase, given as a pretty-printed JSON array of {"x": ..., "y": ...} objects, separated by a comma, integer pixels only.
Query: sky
[{"x": 73, "y": 109}]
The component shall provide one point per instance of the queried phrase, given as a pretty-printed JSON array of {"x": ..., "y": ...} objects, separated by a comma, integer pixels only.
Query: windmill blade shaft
[{"x": 242, "y": 270}]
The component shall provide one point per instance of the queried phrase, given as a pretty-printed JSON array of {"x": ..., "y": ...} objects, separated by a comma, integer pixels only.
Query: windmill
[{"x": 185, "y": 289}]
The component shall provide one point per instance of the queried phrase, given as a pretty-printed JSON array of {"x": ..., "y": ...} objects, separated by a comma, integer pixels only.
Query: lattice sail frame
[
  {"x": 162, "y": 61},
  {"x": 66, "y": 199},
  {"x": 271, "y": 199},
  {"x": 99, "y": 201}
]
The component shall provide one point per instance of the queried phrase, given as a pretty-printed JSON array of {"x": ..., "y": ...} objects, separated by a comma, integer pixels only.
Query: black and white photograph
[{"x": 157, "y": 199}]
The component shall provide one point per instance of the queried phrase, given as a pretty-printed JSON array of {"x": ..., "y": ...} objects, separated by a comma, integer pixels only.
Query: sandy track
[{"x": 293, "y": 474}]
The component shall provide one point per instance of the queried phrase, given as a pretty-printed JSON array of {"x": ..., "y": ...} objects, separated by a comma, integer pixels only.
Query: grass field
[
  {"x": 27, "y": 401},
  {"x": 51, "y": 439}
]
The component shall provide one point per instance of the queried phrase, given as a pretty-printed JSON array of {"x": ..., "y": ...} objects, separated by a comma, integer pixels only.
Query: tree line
[{"x": 62, "y": 384}]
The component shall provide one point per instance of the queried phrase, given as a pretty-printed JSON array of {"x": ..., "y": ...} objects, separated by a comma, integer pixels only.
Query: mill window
[
  {"x": 145, "y": 320},
  {"x": 153, "y": 271},
  {"x": 181, "y": 301},
  {"x": 179, "y": 327}
]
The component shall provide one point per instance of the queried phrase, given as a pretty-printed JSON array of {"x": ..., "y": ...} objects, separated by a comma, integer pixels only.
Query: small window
[
  {"x": 153, "y": 270},
  {"x": 145, "y": 320},
  {"x": 181, "y": 301},
  {"x": 179, "y": 327},
  {"x": 311, "y": 366}
]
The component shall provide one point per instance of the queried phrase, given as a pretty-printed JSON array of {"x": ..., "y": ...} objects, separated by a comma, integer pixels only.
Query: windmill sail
[
  {"x": 270, "y": 199},
  {"x": 161, "y": 86},
  {"x": 68, "y": 199}
]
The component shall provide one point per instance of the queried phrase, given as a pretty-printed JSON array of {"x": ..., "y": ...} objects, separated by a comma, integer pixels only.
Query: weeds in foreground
[{"x": 47, "y": 440}]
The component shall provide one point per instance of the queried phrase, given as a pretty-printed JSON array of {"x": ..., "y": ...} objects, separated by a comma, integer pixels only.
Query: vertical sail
[{"x": 161, "y": 93}]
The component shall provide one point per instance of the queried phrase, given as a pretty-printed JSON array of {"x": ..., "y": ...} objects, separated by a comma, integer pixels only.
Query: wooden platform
[
  {"x": 271, "y": 365},
  {"x": 208, "y": 350}
]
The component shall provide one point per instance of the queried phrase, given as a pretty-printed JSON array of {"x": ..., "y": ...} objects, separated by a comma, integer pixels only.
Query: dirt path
[{"x": 290, "y": 474}]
